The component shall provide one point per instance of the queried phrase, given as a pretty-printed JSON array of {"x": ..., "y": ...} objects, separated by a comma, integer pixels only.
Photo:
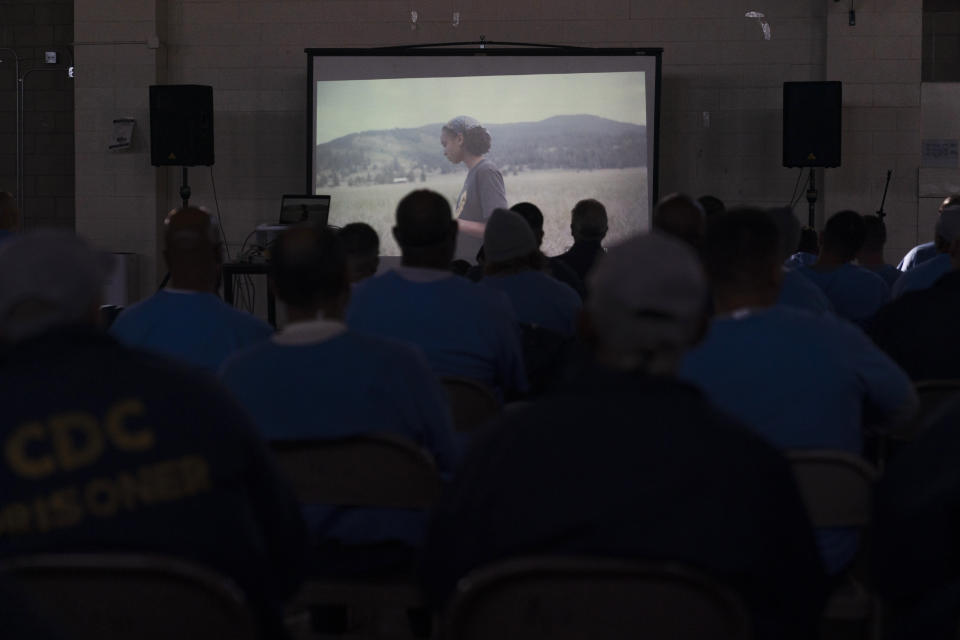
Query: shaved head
[
  {"x": 192, "y": 249},
  {"x": 682, "y": 217}
]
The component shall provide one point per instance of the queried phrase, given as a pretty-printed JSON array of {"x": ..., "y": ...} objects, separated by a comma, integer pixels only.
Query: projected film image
[{"x": 555, "y": 139}]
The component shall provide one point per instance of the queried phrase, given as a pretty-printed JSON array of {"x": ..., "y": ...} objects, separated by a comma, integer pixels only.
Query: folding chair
[
  {"x": 571, "y": 598},
  {"x": 119, "y": 596},
  {"x": 472, "y": 403},
  {"x": 837, "y": 490},
  {"x": 376, "y": 470}
]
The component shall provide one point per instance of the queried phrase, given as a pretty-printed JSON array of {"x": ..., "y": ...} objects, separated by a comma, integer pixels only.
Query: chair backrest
[
  {"x": 934, "y": 397},
  {"x": 836, "y": 487},
  {"x": 123, "y": 596},
  {"x": 472, "y": 403},
  {"x": 374, "y": 470},
  {"x": 560, "y": 598}
]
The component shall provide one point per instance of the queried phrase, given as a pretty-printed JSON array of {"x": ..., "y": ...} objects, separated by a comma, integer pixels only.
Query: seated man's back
[
  {"x": 923, "y": 276},
  {"x": 317, "y": 380},
  {"x": 855, "y": 293},
  {"x": 916, "y": 550},
  {"x": 625, "y": 467},
  {"x": 798, "y": 292},
  {"x": 463, "y": 329},
  {"x": 188, "y": 321},
  {"x": 110, "y": 449},
  {"x": 800, "y": 381},
  {"x": 919, "y": 330},
  {"x": 514, "y": 266},
  {"x": 195, "y": 328}
]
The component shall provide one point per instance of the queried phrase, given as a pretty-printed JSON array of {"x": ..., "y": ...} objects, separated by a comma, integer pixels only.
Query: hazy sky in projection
[{"x": 351, "y": 106}]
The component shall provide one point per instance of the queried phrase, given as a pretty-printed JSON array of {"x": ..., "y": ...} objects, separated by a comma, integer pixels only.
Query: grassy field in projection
[{"x": 622, "y": 191}]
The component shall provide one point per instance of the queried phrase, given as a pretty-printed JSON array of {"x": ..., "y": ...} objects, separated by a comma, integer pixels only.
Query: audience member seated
[
  {"x": 113, "y": 449},
  {"x": 464, "y": 329},
  {"x": 712, "y": 205},
  {"x": 588, "y": 225},
  {"x": 800, "y": 381},
  {"x": 870, "y": 255},
  {"x": 9, "y": 216},
  {"x": 554, "y": 266},
  {"x": 919, "y": 328},
  {"x": 928, "y": 250},
  {"x": 514, "y": 265},
  {"x": 807, "y": 249},
  {"x": 855, "y": 293},
  {"x": 682, "y": 217},
  {"x": 796, "y": 290},
  {"x": 187, "y": 320},
  {"x": 317, "y": 380},
  {"x": 362, "y": 245},
  {"x": 629, "y": 462},
  {"x": 916, "y": 545},
  {"x": 924, "y": 275}
]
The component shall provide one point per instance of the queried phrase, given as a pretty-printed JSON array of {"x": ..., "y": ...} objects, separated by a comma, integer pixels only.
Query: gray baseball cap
[
  {"x": 48, "y": 278},
  {"x": 648, "y": 294}
]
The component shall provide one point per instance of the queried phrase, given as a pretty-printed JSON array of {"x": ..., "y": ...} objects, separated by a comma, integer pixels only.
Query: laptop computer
[{"x": 296, "y": 209}]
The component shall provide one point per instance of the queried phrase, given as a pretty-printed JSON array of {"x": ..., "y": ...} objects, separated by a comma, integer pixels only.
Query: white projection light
[
  {"x": 414, "y": 17},
  {"x": 764, "y": 25}
]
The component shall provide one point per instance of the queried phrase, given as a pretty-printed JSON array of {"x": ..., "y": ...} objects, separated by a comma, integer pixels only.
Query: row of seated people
[{"x": 112, "y": 447}]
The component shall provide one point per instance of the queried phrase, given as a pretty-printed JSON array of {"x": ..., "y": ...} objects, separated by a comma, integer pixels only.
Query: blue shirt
[
  {"x": 923, "y": 275},
  {"x": 918, "y": 255},
  {"x": 539, "y": 300},
  {"x": 799, "y": 292},
  {"x": 855, "y": 293},
  {"x": 888, "y": 272},
  {"x": 195, "y": 328},
  {"x": 801, "y": 259},
  {"x": 802, "y": 382},
  {"x": 315, "y": 381},
  {"x": 463, "y": 329}
]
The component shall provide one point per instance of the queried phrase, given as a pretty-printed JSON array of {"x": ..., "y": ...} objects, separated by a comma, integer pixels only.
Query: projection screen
[{"x": 563, "y": 125}]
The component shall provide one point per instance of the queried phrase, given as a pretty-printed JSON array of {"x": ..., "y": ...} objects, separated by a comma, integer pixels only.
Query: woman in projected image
[{"x": 466, "y": 140}]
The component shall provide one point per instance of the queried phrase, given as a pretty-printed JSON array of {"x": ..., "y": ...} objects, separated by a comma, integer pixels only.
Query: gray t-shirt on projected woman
[{"x": 482, "y": 192}]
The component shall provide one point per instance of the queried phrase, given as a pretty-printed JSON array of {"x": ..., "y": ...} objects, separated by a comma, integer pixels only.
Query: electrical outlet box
[{"x": 50, "y": 57}]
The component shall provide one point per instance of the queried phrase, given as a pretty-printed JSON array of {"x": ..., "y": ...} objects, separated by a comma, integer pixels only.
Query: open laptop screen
[{"x": 295, "y": 209}]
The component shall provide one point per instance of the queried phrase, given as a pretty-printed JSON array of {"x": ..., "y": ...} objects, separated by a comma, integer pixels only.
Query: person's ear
[{"x": 396, "y": 235}]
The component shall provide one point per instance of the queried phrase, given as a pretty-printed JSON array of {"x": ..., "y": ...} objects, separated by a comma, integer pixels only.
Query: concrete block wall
[
  {"x": 879, "y": 62},
  {"x": 31, "y": 27},
  {"x": 118, "y": 192},
  {"x": 721, "y": 101}
]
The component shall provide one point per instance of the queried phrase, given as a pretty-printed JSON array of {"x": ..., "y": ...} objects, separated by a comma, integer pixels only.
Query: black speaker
[
  {"x": 181, "y": 125},
  {"x": 812, "y": 124}
]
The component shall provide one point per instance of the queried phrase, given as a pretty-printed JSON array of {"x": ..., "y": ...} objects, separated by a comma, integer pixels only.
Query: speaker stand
[
  {"x": 811, "y": 200},
  {"x": 185, "y": 189}
]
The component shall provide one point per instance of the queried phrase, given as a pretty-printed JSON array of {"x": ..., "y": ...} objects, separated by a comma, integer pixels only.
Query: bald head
[
  {"x": 682, "y": 217},
  {"x": 192, "y": 250},
  {"x": 426, "y": 230},
  {"x": 309, "y": 271}
]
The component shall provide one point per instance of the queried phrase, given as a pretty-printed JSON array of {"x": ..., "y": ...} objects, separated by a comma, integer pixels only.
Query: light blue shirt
[
  {"x": 802, "y": 382},
  {"x": 855, "y": 293},
  {"x": 540, "y": 300},
  {"x": 316, "y": 380},
  {"x": 799, "y": 292},
  {"x": 464, "y": 329},
  {"x": 917, "y": 256},
  {"x": 196, "y": 328},
  {"x": 924, "y": 275}
]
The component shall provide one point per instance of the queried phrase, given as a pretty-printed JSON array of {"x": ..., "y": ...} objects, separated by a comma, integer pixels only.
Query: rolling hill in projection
[{"x": 580, "y": 142}]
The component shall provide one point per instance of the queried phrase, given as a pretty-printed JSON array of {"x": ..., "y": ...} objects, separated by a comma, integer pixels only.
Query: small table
[{"x": 231, "y": 269}]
